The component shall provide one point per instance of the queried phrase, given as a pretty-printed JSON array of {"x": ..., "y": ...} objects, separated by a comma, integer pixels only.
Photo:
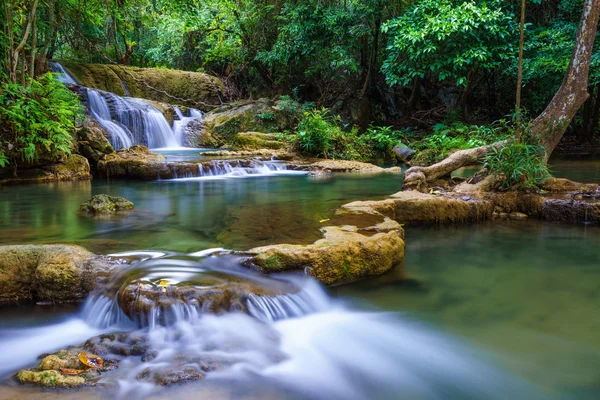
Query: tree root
[{"x": 418, "y": 177}]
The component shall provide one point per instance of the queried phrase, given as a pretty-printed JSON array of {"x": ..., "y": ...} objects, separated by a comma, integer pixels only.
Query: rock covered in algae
[
  {"x": 343, "y": 255},
  {"x": 349, "y": 166},
  {"x": 74, "y": 167},
  {"x": 105, "y": 204},
  {"x": 48, "y": 273},
  {"x": 51, "y": 378}
]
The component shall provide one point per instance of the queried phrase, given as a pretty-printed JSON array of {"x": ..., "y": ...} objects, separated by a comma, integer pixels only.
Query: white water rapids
[{"x": 306, "y": 344}]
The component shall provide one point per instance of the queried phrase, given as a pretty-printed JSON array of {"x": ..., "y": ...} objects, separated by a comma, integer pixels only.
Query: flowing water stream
[
  {"x": 493, "y": 310},
  {"x": 497, "y": 310}
]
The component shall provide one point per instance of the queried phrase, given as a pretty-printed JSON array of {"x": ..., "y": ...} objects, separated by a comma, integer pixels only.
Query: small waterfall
[
  {"x": 102, "y": 312},
  {"x": 310, "y": 299},
  {"x": 180, "y": 125},
  {"x": 230, "y": 169},
  {"x": 61, "y": 73},
  {"x": 132, "y": 121},
  {"x": 118, "y": 135}
]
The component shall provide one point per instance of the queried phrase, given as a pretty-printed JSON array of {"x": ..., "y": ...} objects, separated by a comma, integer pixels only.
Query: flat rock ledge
[
  {"x": 73, "y": 168},
  {"x": 349, "y": 166},
  {"x": 49, "y": 273},
  {"x": 561, "y": 201},
  {"x": 344, "y": 254}
]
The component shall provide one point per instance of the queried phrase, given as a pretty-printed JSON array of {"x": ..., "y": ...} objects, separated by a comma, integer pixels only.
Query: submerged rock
[
  {"x": 48, "y": 273},
  {"x": 105, "y": 204},
  {"x": 149, "y": 302},
  {"x": 343, "y": 255}
]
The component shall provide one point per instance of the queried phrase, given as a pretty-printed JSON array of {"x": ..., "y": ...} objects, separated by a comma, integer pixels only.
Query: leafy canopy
[{"x": 447, "y": 39}]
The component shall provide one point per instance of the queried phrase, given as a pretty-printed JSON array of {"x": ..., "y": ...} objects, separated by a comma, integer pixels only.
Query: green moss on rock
[
  {"x": 343, "y": 255},
  {"x": 193, "y": 87},
  {"x": 105, "y": 204},
  {"x": 50, "y": 378}
]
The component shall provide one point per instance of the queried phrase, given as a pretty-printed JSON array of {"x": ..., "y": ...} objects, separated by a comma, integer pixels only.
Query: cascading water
[
  {"x": 303, "y": 343},
  {"x": 61, "y": 73},
  {"x": 130, "y": 121},
  {"x": 180, "y": 125}
]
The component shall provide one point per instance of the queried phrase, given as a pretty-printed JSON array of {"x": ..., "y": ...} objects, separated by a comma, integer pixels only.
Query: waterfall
[
  {"x": 61, "y": 73},
  {"x": 118, "y": 135},
  {"x": 130, "y": 121},
  {"x": 180, "y": 125}
]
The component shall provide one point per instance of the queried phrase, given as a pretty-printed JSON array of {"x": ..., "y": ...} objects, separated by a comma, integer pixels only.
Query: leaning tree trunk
[{"x": 551, "y": 124}]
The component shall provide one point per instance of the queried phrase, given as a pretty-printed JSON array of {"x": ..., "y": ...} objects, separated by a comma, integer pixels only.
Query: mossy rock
[
  {"x": 343, "y": 255},
  {"x": 220, "y": 126},
  {"x": 105, "y": 204},
  {"x": 73, "y": 167},
  {"x": 50, "y": 378},
  {"x": 255, "y": 141},
  {"x": 46, "y": 273},
  {"x": 134, "y": 162},
  {"x": 193, "y": 88},
  {"x": 93, "y": 143}
]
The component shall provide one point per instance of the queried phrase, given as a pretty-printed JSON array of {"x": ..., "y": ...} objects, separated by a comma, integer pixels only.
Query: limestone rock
[
  {"x": 50, "y": 378},
  {"x": 192, "y": 88},
  {"x": 74, "y": 167},
  {"x": 55, "y": 273},
  {"x": 92, "y": 141},
  {"x": 221, "y": 125},
  {"x": 255, "y": 141},
  {"x": 341, "y": 256}
]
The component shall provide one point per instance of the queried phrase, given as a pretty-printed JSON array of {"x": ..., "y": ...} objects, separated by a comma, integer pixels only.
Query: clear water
[
  {"x": 184, "y": 215},
  {"x": 492, "y": 310}
]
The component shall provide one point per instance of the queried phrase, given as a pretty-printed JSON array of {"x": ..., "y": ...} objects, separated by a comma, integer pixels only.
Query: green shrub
[
  {"x": 37, "y": 121},
  {"x": 457, "y": 136},
  {"x": 520, "y": 165}
]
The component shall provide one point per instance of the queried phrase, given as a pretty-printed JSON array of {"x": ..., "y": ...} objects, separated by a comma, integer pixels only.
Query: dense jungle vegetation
[{"x": 370, "y": 72}]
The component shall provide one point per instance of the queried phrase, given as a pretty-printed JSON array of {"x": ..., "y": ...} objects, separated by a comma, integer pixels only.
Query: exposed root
[{"x": 418, "y": 177}]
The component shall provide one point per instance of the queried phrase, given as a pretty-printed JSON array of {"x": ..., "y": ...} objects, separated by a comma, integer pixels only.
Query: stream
[{"x": 494, "y": 310}]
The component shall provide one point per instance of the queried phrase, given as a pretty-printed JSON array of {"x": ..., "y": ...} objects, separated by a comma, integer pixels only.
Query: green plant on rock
[
  {"x": 37, "y": 121},
  {"x": 519, "y": 164},
  {"x": 457, "y": 136}
]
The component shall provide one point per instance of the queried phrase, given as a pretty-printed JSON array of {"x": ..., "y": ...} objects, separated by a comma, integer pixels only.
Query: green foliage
[
  {"x": 266, "y": 116},
  {"x": 520, "y": 165},
  {"x": 457, "y": 136},
  {"x": 447, "y": 39},
  {"x": 320, "y": 134},
  {"x": 37, "y": 121}
]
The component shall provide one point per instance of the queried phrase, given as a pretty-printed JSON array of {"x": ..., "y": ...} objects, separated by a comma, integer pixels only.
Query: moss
[
  {"x": 49, "y": 378},
  {"x": 45, "y": 272},
  {"x": 341, "y": 256},
  {"x": 195, "y": 86},
  {"x": 255, "y": 141},
  {"x": 106, "y": 204}
]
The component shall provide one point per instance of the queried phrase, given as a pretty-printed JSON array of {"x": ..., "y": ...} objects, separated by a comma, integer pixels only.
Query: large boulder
[
  {"x": 221, "y": 125},
  {"x": 73, "y": 167},
  {"x": 345, "y": 254},
  {"x": 48, "y": 273},
  {"x": 193, "y": 89},
  {"x": 92, "y": 141},
  {"x": 134, "y": 162}
]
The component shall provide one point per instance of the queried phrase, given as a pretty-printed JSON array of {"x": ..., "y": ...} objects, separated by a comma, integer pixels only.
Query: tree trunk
[{"x": 551, "y": 124}]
